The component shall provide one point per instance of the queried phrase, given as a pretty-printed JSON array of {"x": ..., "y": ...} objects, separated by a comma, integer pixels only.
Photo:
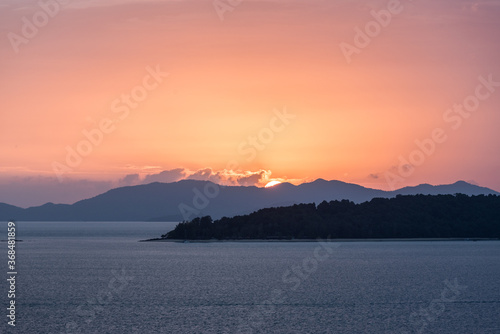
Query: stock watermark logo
[
  {"x": 420, "y": 320},
  {"x": 292, "y": 278},
  {"x": 453, "y": 117},
  {"x": 30, "y": 26},
  {"x": 265, "y": 136},
  {"x": 121, "y": 108},
  {"x": 88, "y": 311},
  {"x": 223, "y": 6},
  {"x": 11, "y": 273},
  {"x": 248, "y": 148},
  {"x": 200, "y": 200},
  {"x": 363, "y": 37}
]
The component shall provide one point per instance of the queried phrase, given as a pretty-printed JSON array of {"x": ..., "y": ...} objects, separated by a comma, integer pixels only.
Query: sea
[{"x": 97, "y": 277}]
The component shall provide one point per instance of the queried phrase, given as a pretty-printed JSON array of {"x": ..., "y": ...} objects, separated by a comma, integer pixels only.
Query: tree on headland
[{"x": 413, "y": 216}]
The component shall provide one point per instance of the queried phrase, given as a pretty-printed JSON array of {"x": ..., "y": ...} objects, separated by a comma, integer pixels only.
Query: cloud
[
  {"x": 166, "y": 176},
  {"x": 223, "y": 177},
  {"x": 232, "y": 178},
  {"x": 129, "y": 180},
  {"x": 205, "y": 174},
  {"x": 258, "y": 178},
  {"x": 38, "y": 190}
]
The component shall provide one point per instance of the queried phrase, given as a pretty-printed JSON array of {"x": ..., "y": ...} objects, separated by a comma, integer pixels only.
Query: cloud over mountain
[{"x": 32, "y": 191}]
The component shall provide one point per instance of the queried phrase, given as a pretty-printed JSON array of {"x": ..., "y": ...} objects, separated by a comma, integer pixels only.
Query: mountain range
[{"x": 187, "y": 199}]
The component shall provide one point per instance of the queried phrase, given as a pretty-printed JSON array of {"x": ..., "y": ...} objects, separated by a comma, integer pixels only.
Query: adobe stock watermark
[
  {"x": 223, "y": 6},
  {"x": 363, "y": 37},
  {"x": 88, "y": 311},
  {"x": 30, "y": 26},
  {"x": 453, "y": 117},
  {"x": 248, "y": 148},
  {"x": 292, "y": 279},
  {"x": 121, "y": 108},
  {"x": 420, "y": 320}
]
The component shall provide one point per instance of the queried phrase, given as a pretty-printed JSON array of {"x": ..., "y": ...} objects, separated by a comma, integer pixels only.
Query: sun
[{"x": 272, "y": 184}]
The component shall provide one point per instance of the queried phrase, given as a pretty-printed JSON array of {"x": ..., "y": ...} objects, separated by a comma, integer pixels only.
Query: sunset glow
[
  {"x": 109, "y": 93},
  {"x": 272, "y": 184}
]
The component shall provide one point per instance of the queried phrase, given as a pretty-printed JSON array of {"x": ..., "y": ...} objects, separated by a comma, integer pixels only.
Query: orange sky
[{"x": 228, "y": 79}]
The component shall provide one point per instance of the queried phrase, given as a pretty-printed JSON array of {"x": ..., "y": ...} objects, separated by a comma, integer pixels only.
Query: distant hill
[
  {"x": 184, "y": 200},
  {"x": 405, "y": 216}
]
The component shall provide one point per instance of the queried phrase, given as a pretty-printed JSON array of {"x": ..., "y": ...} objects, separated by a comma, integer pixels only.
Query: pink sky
[{"x": 273, "y": 71}]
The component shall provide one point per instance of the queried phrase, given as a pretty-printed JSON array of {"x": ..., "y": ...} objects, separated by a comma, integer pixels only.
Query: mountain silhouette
[{"x": 187, "y": 199}]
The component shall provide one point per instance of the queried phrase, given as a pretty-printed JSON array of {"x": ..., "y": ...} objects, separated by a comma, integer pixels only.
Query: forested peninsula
[{"x": 415, "y": 216}]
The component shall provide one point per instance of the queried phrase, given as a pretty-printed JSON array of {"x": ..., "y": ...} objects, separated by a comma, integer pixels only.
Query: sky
[{"x": 385, "y": 94}]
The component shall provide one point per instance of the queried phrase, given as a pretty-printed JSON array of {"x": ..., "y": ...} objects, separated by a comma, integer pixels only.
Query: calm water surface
[{"x": 97, "y": 278}]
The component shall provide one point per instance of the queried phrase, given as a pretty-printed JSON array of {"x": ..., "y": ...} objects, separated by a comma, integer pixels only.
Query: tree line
[{"x": 405, "y": 216}]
